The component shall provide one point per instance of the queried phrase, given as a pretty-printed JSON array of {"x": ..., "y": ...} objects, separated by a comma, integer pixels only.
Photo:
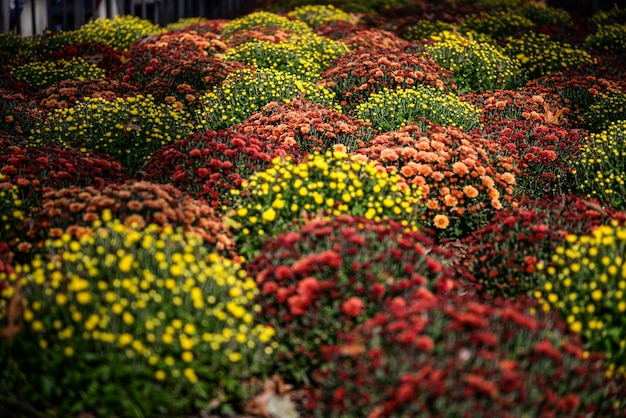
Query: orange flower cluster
[{"x": 463, "y": 177}]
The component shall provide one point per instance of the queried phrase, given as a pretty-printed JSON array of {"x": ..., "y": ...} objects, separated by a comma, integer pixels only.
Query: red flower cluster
[
  {"x": 543, "y": 153},
  {"x": 528, "y": 104},
  {"x": 38, "y": 170},
  {"x": 338, "y": 29},
  {"x": 452, "y": 356},
  {"x": 502, "y": 257},
  {"x": 179, "y": 64},
  {"x": 333, "y": 274},
  {"x": 271, "y": 34},
  {"x": 356, "y": 75},
  {"x": 103, "y": 55},
  {"x": 18, "y": 111},
  {"x": 209, "y": 164},
  {"x": 578, "y": 89}
]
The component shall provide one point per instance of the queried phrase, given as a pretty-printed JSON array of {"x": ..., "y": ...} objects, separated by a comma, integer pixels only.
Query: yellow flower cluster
[
  {"x": 128, "y": 129},
  {"x": 389, "y": 109},
  {"x": 331, "y": 184},
  {"x": 11, "y": 213},
  {"x": 323, "y": 49},
  {"x": 586, "y": 285},
  {"x": 540, "y": 55},
  {"x": 282, "y": 56},
  {"x": 118, "y": 32},
  {"x": 495, "y": 23},
  {"x": 246, "y": 91},
  {"x": 601, "y": 168},
  {"x": 183, "y": 22},
  {"x": 40, "y": 74},
  {"x": 425, "y": 29},
  {"x": 252, "y": 20},
  {"x": 607, "y": 37},
  {"x": 315, "y": 15},
  {"x": 154, "y": 296},
  {"x": 475, "y": 62}
]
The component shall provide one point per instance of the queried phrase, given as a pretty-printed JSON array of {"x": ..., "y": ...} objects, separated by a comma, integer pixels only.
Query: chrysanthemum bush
[
  {"x": 476, "y": 65},
  {"x": 577, "y": 91},
  {"x": 532, "y": 104},
  {"x": 324, "y": 50},
  {"x": 375, "y": 39},
  {"x": 11, "y": 211},
  {"x": 357, "y": 75},
  {"x": 333, "y": 274},
  {"x": 313, "y": 127},
  {"x": 246, "y": 91},
  {"x": 496, "y": 23},
  {"x": 338, "y": 29},
  {"x": 601, "y": 166},
  {"x": 135, "y": 203},
  {"x": 259, "y": 19},
  {"x": 40, "y": 74},
  {"x": 282, "y": 56},
  {"x": 67, "y": 92},
  {"x": 423, "y": 30},
  {"x": 609, "y": 108},
  {"x": 207, "y": 165},
  {"x": 392, "y": 109},
  {"x": 184, "y": 23},
  {"x": 607, "y": 37},
  {"x": 502, "y": 256},
  {"x": 539, "y": 55},
  {"x": 181, "y": 65},
  {"x": 315, "y": 15},
  {"x": 586, "y": 285},
  {"x": 541, "y": 15},
  {"x": 38, "y": 170},
  {"x": 98, "y": 53},
  {"x": 543, "y": 153},
  {"x": 124, "y": 322},
  {"x": 289, "y": 193},
  {"x": 18, "y": 111},
  {"x": 464, "y": 178},
  {"x": 128, "y": 129},
  {"x": 118, "y": 32},
  {"x": 454, "y": 356},
  {"x": 607, "y": 17}
]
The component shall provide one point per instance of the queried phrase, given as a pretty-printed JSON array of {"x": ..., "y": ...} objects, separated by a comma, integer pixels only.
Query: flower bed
[{"x": 380, "y": 208}]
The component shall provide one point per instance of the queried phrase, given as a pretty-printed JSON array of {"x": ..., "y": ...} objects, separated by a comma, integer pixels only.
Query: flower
[
  {"x": 352, "y": 306},
  {"x": 441, "y": 221}
]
